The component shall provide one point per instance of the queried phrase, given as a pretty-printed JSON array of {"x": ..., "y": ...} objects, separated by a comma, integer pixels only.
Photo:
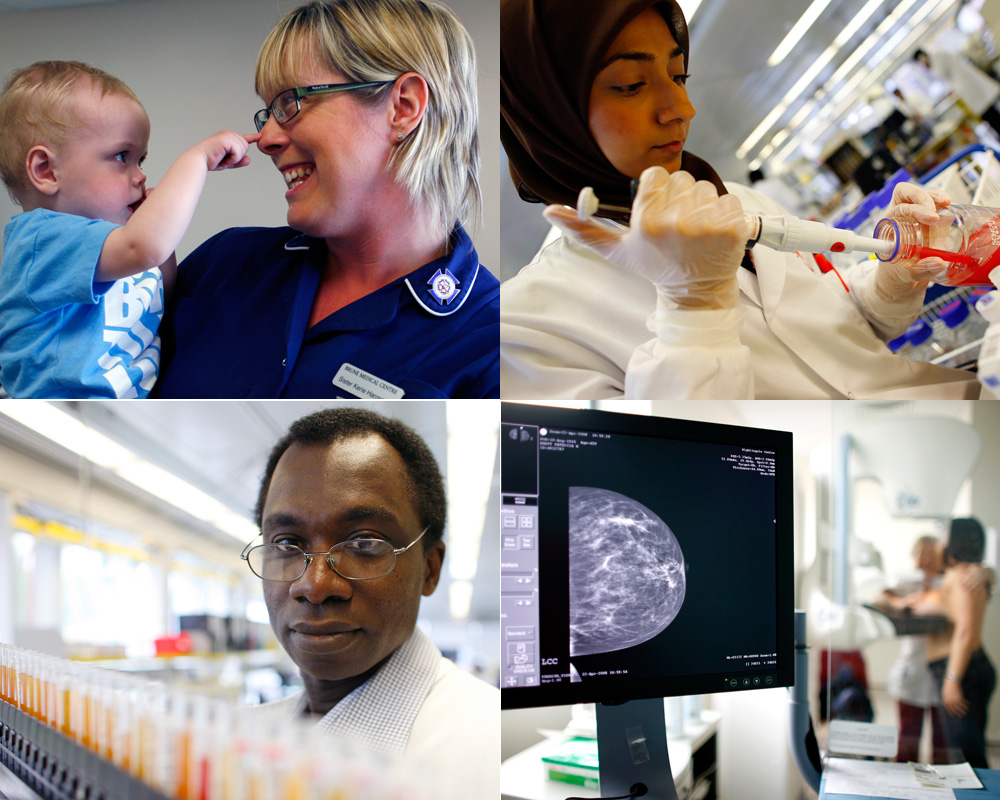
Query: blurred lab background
[
  {"x": 821, "y": 104},
  {"x": 121, "y": 527}
]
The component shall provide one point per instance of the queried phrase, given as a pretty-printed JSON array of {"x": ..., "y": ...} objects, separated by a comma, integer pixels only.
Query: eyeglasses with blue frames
[
  {"x": 288, "y": 103},
  {"x": 360, "y": 559}
]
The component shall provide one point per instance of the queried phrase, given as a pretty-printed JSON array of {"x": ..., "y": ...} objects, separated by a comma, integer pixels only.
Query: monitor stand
[{"x": 632, "y": 749}]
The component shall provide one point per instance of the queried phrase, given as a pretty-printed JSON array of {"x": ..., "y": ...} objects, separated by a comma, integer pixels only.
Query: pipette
[{"x": 775, "y": 231}]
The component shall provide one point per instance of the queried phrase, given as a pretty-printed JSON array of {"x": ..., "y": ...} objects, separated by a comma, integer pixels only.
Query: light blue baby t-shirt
[{"x": 63, "y": 335}]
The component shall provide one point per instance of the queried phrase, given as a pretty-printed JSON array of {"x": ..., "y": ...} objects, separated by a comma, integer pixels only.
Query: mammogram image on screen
[{"x": 626, "y": 572}]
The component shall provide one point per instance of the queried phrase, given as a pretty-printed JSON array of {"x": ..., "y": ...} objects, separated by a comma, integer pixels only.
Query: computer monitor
[{"x": 642, "y": 557}]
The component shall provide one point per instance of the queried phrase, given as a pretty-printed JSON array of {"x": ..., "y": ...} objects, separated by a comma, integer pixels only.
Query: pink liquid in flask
[{"x": 966, "y": 238}]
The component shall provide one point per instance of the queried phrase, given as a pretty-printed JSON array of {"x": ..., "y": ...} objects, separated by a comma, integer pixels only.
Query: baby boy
[{"x": 86, "y": 265}]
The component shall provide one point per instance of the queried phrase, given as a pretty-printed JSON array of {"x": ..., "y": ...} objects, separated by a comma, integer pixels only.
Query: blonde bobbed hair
[{"x": 379, "y": 40}]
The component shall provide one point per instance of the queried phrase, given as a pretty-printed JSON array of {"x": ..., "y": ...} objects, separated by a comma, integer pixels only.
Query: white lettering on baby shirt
[{"x": 133, "y": 309}]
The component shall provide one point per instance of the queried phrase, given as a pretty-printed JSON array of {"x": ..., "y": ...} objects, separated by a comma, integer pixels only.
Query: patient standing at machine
[
  {"x": 910, "y": 681},
  {"x": 962, "y": 670}
]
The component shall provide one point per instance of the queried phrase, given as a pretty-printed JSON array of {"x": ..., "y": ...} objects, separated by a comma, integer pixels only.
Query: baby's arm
[{"x": 150, "y": 237}]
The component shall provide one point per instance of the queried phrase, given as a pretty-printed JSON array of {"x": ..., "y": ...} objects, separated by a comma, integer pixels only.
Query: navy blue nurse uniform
[{"x": 238, "y": 326}]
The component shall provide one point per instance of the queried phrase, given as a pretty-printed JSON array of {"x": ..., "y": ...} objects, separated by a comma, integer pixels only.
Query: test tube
[
  {"x": 18, "y": 680},
  {"x": 4, "y": 677},
  {"x": 120, "y": 726}
]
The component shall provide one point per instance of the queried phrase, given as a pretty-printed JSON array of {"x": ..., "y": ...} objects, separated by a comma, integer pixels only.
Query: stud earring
[{"x": 399, "y": 135}]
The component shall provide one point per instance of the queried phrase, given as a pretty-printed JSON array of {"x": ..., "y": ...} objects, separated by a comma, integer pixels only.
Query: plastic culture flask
[{"x": 966, "y": 238}]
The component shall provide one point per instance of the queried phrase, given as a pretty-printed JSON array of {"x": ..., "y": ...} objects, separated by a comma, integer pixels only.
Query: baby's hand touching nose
[{"x": 227, "y": 150}]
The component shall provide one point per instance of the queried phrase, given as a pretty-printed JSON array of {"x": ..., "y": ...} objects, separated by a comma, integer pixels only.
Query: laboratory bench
[{"x": 692, "y": 762}]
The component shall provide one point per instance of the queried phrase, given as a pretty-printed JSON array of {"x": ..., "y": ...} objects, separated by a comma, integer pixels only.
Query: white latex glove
[
  {"x": 683, "y": 238},
  {"x": 895, "y": 282}
]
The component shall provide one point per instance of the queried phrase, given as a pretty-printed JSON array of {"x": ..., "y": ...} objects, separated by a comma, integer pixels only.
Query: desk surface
[
  {"x": 990, "y": 779},
  {"x": 523, "y": 776}
]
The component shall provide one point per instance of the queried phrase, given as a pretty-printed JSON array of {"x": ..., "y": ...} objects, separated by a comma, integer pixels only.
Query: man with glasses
[{"x": 351, "y": 510}]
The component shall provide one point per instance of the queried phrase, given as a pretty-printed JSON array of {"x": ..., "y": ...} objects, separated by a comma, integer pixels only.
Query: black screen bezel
[{"x": 780, "y": 442}]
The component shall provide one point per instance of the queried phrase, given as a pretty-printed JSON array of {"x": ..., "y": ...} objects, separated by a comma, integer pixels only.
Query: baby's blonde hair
[
  {"x": 36, "y": 107},
  {"x": 379, "y": 40}
]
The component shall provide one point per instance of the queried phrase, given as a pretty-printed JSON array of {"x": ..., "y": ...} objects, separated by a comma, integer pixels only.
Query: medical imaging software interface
[{"x": 636, "y": 557}]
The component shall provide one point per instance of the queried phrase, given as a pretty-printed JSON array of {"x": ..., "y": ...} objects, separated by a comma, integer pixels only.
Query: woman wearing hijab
[{"x": 670, "y": 304}]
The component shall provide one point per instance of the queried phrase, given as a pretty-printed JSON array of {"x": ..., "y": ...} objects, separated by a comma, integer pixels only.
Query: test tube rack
[{"x": 57, "y": 768}]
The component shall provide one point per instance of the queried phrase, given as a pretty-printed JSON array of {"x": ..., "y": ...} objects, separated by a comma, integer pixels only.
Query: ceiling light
[
  {"x": 834, "y": 110},
  {"x": 69, "y": 432},
  {"x": 808, "y": 77},
  {"x": 797, "y": 32},
  {"x": 818, "y": 107}
]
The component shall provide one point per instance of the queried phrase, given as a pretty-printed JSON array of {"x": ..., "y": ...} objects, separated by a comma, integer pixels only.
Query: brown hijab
[{"x": 550, "y": 51}]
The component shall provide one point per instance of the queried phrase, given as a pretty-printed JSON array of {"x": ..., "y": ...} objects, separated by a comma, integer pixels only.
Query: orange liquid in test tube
[
  {"x": 29, "y": 694},
  {"x": 43, "y": 696},
  {"x": 109, "y": 731},
  {"x": 52, "y": 703},
  {"x": 75, "y": 715},
  {"x": 183, "y": 765},
  {"x": 64, "y": 719},
  {"x": 88, "y": 721}
]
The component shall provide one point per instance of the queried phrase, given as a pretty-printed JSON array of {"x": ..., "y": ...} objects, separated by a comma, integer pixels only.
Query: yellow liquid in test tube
[
  {"x": 31, "y": 696},
  {"x": 75, "y": 716},
  {"x": 294, "y": 789},
  {"x": 145, "y": 743}
]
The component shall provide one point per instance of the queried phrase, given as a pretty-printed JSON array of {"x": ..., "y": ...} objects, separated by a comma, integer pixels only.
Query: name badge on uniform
[
  {"x": 359, "y": 383},
  {"x": 444, "y": 286}
]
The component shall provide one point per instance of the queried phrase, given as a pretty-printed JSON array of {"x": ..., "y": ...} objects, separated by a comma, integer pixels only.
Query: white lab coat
[
  {"x": 454, "y": 744},
  {"x": 575, "y": 326}
]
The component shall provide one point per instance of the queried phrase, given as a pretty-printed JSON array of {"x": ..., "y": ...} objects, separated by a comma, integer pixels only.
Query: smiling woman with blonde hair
[{"x": 375, "y": 289}]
